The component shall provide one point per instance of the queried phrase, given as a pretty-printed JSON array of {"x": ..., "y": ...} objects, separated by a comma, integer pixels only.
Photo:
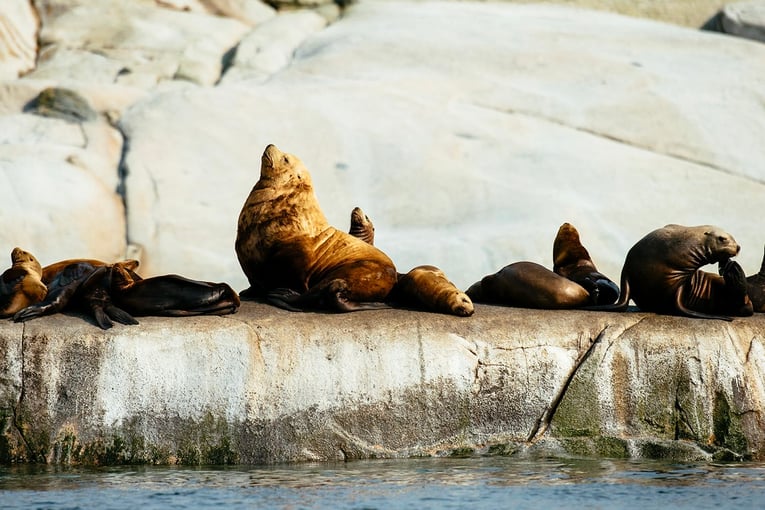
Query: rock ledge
[{"x": 265, "y": 385}]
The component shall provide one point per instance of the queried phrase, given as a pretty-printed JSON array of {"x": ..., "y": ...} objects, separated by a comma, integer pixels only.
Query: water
[{"x": 419, "y": 484}]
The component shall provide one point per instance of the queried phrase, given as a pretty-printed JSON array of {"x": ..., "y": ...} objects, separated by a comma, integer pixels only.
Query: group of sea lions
[
  {"x": 110, "y": 292},
  {"x": 294, "y": 259}
]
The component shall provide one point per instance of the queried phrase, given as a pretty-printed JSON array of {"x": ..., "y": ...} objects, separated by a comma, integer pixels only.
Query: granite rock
[{"x": 265, "y": 385}]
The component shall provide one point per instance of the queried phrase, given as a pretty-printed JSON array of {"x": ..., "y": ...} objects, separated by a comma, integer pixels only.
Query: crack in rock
[{"x": 543, "y": 422}]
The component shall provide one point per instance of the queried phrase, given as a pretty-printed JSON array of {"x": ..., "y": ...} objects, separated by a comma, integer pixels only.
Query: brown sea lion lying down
[
  {"x": 116, "y": 292},
  {"x": 575, "y": 282}
]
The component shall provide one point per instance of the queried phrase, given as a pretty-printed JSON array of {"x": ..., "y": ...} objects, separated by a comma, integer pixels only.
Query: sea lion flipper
[
  {"x": 101, "y": 317},
  {"x": 282, "y": 298},
  {"x": 693, "y": 313},
  {"x": 119, "y": 315}
]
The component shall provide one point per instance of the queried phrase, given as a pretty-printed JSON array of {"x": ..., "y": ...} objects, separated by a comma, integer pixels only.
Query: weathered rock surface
[
  {"x": 744, "y": 19},
  {"x": 18, "y": 38},
  {"x": 137, "y": 44},
  {"x": 265, "y": 385}
]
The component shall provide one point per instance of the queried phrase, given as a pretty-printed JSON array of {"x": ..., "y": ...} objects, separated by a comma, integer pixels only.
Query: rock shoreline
[{"x": 265, "y": 386}]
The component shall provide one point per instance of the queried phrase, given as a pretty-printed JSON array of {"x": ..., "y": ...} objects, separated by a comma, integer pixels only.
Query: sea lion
[
  {"x": 661, "y": 274},
  {"x": 116, "y": 292},
  {"x": 572, "y": 260},
  {"x": 169, "y": 295},
  {"x": 424, "y": 287},
  {"x": 361, "y": 226},
  {"x": 293, "y": 257},
  {"x": 21, "y": 285},
  {"x": 428, "y": 288},
  {"x": 529, "y": 285},
  {"x": 756, "y": 289},
  {"x": 78, "y": 285}
]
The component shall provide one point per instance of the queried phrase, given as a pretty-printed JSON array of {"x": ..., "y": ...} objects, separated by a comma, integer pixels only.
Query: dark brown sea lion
[
  {"x": 661, "y": 274},
  {"x": 293, "y": 257},
  {"x": 572, "y": 260},
  {"x": 21, "y": 285},
  {"x": 169, "y": 295},
  {"x": 361, "y": 226},
  {"x": 529, "y": 285},
  {"x": 78, "y": 285},
  {"x": 428, "y": 288},
  {"x": 116, "y": 292},
  {"x": 756, "y": 289}
]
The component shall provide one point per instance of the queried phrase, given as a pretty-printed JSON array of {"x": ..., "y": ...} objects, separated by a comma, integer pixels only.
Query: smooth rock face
[
  {"x": 266, "y": 385},
  {"x": 744, "y": 19},
  {"x": 467, "y": 148},
  {"x": 18, "y": 38},
  {"x": 140, "y": 45}
]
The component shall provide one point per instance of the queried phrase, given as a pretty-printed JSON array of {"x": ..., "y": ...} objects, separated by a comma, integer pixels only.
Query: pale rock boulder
[
  {"x": 18, "y": 38},
  {"x": 60, "y": 181},
  {"x": 270, "y": 46},
  {"x": 108, "y": 100},
  {"x": 744, "y": 19},
  {"x": 252, "y": 12},
  {"x": 468, "y": 132},
  {"x": 137, "y": 43}
]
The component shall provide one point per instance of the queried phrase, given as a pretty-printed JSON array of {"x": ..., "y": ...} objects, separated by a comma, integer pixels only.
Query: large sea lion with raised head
[
  {"x": 756, "y": 288},
  {"x": 662, "y": 274},
  {"x": 21, "y": 285},
  {"x": 293, "y": 257}
]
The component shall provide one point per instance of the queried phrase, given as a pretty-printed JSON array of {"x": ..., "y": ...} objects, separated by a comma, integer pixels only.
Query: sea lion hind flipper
[
  {"x": 684, "y": 310},
  {"x": 120, "y": 315},
  {"x": 283, "y": 298},
  {"x": 102, "y": 318}
]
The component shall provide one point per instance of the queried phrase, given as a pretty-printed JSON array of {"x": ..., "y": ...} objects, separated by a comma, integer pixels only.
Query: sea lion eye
[{"x": 721, "y": 239}]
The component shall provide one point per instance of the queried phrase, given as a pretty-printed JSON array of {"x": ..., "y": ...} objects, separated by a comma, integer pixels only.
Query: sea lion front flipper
[
  {"x": 282, "y": 298},
  {"x": 692, "y": 313}
]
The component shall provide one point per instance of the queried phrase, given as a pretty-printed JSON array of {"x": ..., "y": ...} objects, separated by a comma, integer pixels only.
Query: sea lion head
[
  {"x": 720, "y": 245},
  {"x": 23, "y": 258},
  {"x": 279, "y": 169},
  {"x": 361, "y": 226},
  {"x": 568, "y": 248}
]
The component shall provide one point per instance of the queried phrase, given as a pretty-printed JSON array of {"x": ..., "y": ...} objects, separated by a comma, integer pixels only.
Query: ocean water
[{"x": 494, "y": 482}]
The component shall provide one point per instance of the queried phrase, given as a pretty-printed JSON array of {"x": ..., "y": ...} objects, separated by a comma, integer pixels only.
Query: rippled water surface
[{"x": 427, "y": 483}]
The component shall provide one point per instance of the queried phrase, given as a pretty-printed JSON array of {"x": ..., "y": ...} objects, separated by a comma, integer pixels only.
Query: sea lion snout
[{"x": 270, "y": 155}]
